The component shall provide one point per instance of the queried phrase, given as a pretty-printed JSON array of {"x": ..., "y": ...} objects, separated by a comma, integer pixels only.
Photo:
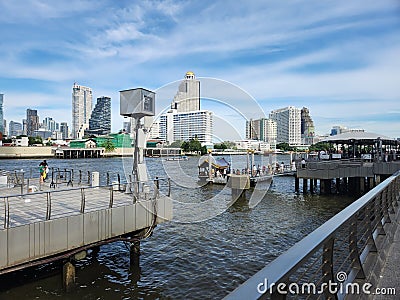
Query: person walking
[{"x": 43, "y": 169}]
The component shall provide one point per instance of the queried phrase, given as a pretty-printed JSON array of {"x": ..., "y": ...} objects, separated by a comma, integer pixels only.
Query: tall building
[
  {"x": 176, "y": 126},
  {"x": 14, "y": 128},
  {"x": 288, "y": 125},
  {"x": 50, "y": 124},
  {"x": 5, "y": 127},
  {"x": 1, "y": 113},
  {"x": 185, "y": 120},
  {"x": 81, "y": 109},
  {"x": 32, "y": 122},
  {"x": 188, "y": 96},
  {"x": 64, "y": 130},
  {"x": 307, "y": 127},
  {"x": 263, "y": 130},
  {"x": 100, "y": 121}
]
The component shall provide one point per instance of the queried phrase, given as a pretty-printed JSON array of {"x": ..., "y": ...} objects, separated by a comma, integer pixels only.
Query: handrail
[
  {"x": 84, "y": 193},
  {"x": 284, "y": 266}
]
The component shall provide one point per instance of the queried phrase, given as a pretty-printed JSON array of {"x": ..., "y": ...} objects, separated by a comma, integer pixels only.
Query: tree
[
  {"x": 221, "y": 146},
  {"x": 35, "y": 140},
  {"x": 176, "y": 144},
  {"x": 108, "y": 145},
  {"x": 185, "y": 146},
  {"x": 285, "y": 147},
  {"x": 322, "y": 146},
  {"x": 194, "y": 145}
]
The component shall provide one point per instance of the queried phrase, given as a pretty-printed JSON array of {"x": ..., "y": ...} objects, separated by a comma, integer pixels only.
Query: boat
[
  {"x": 213, "y": 169},
  {"x": 177, "y": 158}
]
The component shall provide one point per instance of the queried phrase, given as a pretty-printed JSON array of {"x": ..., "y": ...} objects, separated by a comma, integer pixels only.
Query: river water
[{"x": 201, "y": 256}]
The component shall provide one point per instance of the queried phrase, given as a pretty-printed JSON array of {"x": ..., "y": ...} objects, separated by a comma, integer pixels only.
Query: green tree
[
  {"x": 285, "y": 147},
  {"x": 185, "y": 146},
  {"x": 194, "y": 145},
  {"x": 108, "y": 145},
  {"x": 176, "y": 144},
  {"x": 32, "y": 140},
  {"x": 322, "y": 146},
  {"x": 221, "y": 146}
]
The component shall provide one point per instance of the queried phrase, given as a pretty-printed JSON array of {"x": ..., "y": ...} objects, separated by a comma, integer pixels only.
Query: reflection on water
[{"x": 204, "y": 259}]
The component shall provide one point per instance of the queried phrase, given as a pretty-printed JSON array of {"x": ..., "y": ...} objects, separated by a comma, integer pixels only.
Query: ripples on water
[{"x": 200, "y": 260}]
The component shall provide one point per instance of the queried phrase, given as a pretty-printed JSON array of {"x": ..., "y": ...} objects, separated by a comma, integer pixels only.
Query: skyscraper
[
  {"x": 64, "y": 130},
  {"x": 188, "y": 96},
  {"x": 1, "y": 114},
  {"x": 288, "y": 125},
  {"x": 100, "y": 121},
  {"x": 81, "y": 109},
  {"x": 15, "y": 128},
  {"x": 307, "y": 127},
  {"x": 262, "y": 129},
  {"x": 185, "y": 120},
  {"x": 32, "y": 121}
]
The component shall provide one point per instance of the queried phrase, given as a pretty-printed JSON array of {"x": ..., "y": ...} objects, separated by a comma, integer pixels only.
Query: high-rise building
[
  {"x": 5, "y": 131},
  {"x": 126, "y": 126},
  {"x": 51, "y": 125},
  {"x": 100, "y": 121},
  {"x": 81, "y": 110},
  {"x": 176, "y": 126},
  {"x": 188, "y": 96},
  {"x": 307, "y": 127},
  {"x": 288, "y": 125},
  {"x": 32, "y": 121},
  {"x": 64, "y": 130},
  {"x": 14, "y": 128},
  {"x": 1, "y": 114},
  {"x": 263, "y": 130},
  {"x": 185, "y": 120}
]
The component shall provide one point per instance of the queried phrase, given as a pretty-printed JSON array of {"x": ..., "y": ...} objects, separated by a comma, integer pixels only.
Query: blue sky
[{"x": 341, "y": 59}]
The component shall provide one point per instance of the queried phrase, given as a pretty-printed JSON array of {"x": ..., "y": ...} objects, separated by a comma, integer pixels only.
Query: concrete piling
[{"x": 68, "y": 276}]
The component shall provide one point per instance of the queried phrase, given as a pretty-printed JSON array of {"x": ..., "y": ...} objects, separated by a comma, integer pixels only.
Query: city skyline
[{"x": 338, "y": 59}]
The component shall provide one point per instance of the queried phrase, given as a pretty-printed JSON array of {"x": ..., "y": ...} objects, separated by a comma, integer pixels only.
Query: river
[{"x": 203, "y": 257}]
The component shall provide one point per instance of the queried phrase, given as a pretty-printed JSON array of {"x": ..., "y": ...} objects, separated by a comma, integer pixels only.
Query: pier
[
  {"x": 355, "y": 249},
  {"x": 62, "y": 223}
]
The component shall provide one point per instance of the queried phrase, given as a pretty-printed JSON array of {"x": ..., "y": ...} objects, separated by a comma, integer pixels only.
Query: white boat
[{"x": 177, "y": 158}]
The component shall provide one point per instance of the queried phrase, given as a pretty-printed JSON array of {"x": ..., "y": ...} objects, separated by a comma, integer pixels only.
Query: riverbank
[{"x": 49, "y": 152}]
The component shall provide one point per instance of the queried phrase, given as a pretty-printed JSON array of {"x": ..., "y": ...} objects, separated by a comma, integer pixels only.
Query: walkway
[{"x": 390, "y": 275}]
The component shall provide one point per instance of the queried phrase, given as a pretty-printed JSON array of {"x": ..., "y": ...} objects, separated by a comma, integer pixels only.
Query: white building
[
  {"x": 152, "y": 127},
  {"x": 185, "y": 120},
  {"x": 262, "y": 129},
  {"x": 184, "y": 126},
  {"x": 288, "y": 125},
  {"x": 81, "y": 109},
  {"x": 253, "y": 145},
  {"x": 188, "y": 96}
]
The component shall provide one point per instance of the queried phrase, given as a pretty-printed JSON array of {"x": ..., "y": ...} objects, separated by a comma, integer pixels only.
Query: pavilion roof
[{"x": 363, "y": 137}]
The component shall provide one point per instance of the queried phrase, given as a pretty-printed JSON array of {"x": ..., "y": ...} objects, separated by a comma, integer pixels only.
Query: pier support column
[
  {"x": 362, "y": 185},
  {"x": 345, "y": 184},
  {"x": 305, "y": 184},
  {"x": 296, "y": 184},
  {"x": 134, "y": 252},
  {"x": 312, "y": 186},
  {"x": 378, "y": 179},
  {"x": 325, "y": 185},
  {"x": 68, "y": 276},
  {"x": 371, "y": 182},
  {"x": 337, "y": 185}
]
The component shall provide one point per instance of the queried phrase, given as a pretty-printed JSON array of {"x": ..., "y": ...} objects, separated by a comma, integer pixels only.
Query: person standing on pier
[{"x": 43, "y": 168}]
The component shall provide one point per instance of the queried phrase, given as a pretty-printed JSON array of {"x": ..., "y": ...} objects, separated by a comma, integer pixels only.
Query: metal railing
[
  {"x": 336, "y": 254},
  {"x": 40, "y": 206}
]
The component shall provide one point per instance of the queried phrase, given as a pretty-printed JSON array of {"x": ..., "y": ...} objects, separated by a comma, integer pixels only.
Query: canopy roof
[
  {"x": 363, "y": 137},
  {"x": 216, "y": 162}
]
